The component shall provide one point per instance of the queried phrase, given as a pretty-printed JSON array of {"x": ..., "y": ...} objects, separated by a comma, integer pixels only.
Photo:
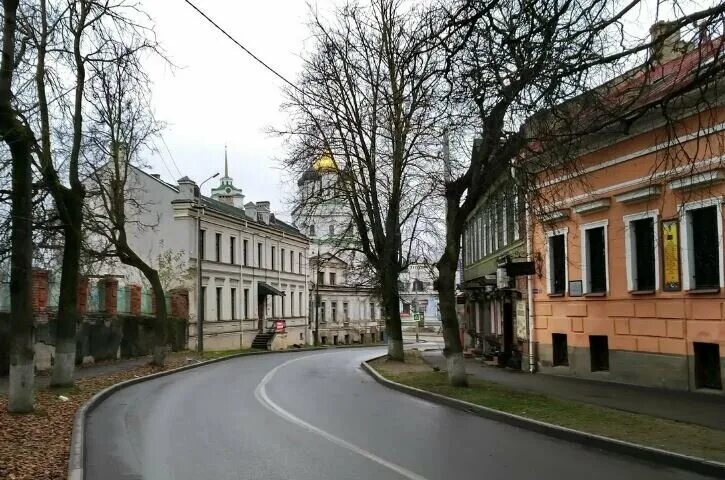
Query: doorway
[
  {"x": 260, "y": 313},
  {"x": 508, "y": 328}
]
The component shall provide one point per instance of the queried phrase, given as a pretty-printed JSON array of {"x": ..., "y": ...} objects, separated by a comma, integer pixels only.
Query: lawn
[{"x": 655, "y": 432}]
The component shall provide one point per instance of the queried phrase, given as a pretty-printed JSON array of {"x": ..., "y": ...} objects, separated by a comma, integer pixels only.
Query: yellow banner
[{"x": 671, "y": 255}]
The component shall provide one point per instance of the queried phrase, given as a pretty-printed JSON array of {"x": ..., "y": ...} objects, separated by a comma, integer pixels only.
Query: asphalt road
[{"x": 317, "y": 415}]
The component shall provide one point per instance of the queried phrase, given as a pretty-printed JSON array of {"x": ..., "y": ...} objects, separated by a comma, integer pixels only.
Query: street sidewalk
[{"x": 698, "y": 408}]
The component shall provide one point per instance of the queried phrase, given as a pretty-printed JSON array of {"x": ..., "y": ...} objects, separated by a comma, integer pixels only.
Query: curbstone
[
  {"x": 76, "y": 460},
  {"x": 664, "y": 457}
]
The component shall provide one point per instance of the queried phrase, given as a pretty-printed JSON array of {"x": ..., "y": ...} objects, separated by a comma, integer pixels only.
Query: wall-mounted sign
[
  {"x": 575, "y": 288},
  {"x": 521, "y": 330},
  {"x": 671, "y": 255},
  {"x": 279, "y": 326}
]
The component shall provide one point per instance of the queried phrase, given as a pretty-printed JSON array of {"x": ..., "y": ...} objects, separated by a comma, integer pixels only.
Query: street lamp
[{"x": 199, "y": 300}]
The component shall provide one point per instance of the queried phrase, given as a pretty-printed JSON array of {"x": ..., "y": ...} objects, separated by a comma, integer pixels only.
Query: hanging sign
[{"x": 671, "y": 256}]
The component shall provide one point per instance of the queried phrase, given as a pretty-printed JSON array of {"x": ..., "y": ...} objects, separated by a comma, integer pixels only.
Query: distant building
[
  {"x": 418, "y": 297},
  {"x": 347, "y": 312},
  {"x": 254, "y": 266}
]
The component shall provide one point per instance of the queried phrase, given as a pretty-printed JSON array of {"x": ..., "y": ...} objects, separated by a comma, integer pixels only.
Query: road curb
[
  {"x": 76, "y": 460},
  {"x": 694, "y": 464}
]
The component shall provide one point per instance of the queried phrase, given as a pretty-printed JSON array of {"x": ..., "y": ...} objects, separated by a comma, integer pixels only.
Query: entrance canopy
[{"x": 267, "y": 289}]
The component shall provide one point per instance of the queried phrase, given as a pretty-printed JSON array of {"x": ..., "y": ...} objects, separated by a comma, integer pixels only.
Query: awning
[{"x": 267, "y": 289}]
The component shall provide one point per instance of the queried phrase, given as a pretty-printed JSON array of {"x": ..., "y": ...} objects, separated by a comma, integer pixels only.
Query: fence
[{"x": 4, "y": 297}]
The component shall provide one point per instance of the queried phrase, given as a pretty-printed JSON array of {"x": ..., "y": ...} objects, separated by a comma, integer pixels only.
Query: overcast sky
[{"x": 219, "y": 95}]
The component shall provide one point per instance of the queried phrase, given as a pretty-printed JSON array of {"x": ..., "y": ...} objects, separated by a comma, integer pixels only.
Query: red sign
[{"x": 279, "y": 326}]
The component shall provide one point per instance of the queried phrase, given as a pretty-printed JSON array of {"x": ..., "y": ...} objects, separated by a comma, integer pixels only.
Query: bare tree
[
  {"x": 121, "y": 128},
  {"x": 526, "y": 73},
  {"x": 367, "y": 99}
]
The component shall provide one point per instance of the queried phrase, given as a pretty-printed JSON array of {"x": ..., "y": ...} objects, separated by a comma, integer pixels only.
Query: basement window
[
  {"x": 557, "y": 263},
  {"x": 707, "y": 365},
  {"x": 594, "y": 258},
  {"x": 560, "y": 349},
  {"x": 702, "y": 253},
  {"x": 599, "y": 351}
]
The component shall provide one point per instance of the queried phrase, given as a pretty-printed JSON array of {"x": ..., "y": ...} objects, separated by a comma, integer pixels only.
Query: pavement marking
[{"x": 261, "y": 395}]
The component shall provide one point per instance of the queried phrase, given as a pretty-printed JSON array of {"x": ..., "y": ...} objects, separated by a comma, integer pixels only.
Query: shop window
[
  {"x": 560, "y": 349},
  {"x": 704, "y": 249},
  {"x": 599, "y": 352},
  {"x": 707, "y": 365},
  {"x": 641, "y": 246},
  {"x": 557, "y": 263},
  {"x": 594, "y": 258}
]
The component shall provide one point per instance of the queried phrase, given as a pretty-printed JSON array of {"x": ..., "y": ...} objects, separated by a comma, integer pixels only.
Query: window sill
[
  {"x": 641, "y": 292},
  {"x": 596, "y": 294},
  {"x": 556, "y": 295},
  {"x": 703, "y": 291}
]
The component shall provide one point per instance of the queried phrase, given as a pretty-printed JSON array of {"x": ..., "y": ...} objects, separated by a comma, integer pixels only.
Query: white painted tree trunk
[
  {"x": 63, "y": 366},
  {"x": 159, "y": 355},
  {"x": 456, "y": 369},
  {"x": 395, "y": 349},
  {"x": 20, "y": 394}
]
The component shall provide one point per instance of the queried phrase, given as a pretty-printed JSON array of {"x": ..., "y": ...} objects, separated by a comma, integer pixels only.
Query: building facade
[
  {"x": 418, "y": 297},
  {"x": 631, "y": 285},
  {"x": 253, "y": 265},
  {"x": 342, "y": 309}
]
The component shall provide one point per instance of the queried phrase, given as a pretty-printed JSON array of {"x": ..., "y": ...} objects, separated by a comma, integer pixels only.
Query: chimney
[
  {"x": 251, "y": 210},
  {"x": 187, "y": 189},
  {"x": 666, "y": 42},
  {"x": 263, "y": 212}
]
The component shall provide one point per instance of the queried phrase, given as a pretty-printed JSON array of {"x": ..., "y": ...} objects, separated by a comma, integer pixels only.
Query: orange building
[{"x": 630, "y": 283}]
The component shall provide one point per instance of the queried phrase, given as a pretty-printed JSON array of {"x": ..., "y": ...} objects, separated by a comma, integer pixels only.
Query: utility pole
[
  {"x": 317, "y": 297},
  {"x": 199, "y": 299}
]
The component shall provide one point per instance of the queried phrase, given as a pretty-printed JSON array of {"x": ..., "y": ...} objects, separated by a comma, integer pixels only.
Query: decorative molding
[
  {"x": 591, "y": 207},
  {"x": 697, "y": 180},
  {"x": 555, "y": 216},
  {"x": 639, "y": 195}
]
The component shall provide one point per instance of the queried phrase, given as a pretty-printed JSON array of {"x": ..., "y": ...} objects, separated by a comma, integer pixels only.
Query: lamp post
[
  {"x": 317, "y": 297},
  {"x": 199, "y": 300}
]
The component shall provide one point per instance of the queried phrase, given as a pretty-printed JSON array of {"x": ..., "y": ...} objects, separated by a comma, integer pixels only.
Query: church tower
[{"x": 226, "y": 191}]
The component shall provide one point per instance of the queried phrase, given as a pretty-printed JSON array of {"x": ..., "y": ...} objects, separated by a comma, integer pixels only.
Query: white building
[
  {"x": 254, "y": 266},
  {"x": 418, "y": 296},
  {"x": 347, "y": 312}
]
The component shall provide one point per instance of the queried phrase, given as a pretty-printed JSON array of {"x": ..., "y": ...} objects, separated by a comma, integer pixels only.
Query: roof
[
  {"x": 325, "y": 163},
  {"x": 233, "y": 211}
]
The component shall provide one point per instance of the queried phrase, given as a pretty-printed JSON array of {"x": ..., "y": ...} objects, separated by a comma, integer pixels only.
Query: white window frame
[
  {"x": 516, "y": 219},
  {"x": 586, "y": 288},
  {"x": 686, "y": 239},
  {"x": 549, "y": 267},
  {"x": 630, "y": 250},
  {"x": 504, "y": 221}
]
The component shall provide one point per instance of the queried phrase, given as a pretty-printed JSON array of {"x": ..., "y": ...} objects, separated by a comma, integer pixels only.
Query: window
[
  {"x": 299, "y": 305},
  {"x": 640, "y": 237},
  {"x": 516, "y": 218},
  {"x": 482, "y": 233},
  {"x": 372, "y": 311},
  {"x": 202, "y": 249},
  {"x": 418, "y": 285},
  {"x": 500, "y": 224},
  {"x": 281, "y": 259},
  {"x": 312, "y": 230},
  {"x": 331, "y": 229},
  {"x": 273, "y": 259},
  {"x": 291, "y": 261},
  {"x": 291, "y": 304},
  {"x": 560, "y": 351},
  {"x": 218, "y": 247},
  {"x": 283, "y": 302},
  {"x": 557, "y": 271},
  {"x": 274, "y": 306},
  {"x": 702, "y": 246},
  {"x": 599, "y": 352},
  {"x": 707, "y": 365},
  {"x": 244, "y": 253},
  {"x": 299, "y": 263},
  {"x": 322, "y": 312},
  {"x": 218, "y": 303},
  {"x": 203, "y": 304},
  {"x": 320, "y": 278},
  {"x": 260, "y": 251},
  {"x": 406, "y": 308},
  {"x": 333, "y": 306},
  {"x": 333, "y": 278},
  {"x": 510, "y": 216},
  {"x": 246, "y": 303},
  {"x": 345, "y": 313},
  {"x": 594, "y": 257},
  {"x": 233, "y": 302},
  {"x": 232, "y": 250}
]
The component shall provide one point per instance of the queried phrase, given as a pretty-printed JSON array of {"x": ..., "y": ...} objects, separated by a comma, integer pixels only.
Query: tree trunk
[
  {"x": 159, "y": 351},
  {"x": 453, "y": 350},
  {"x": 68, "y": 317},
  {"x": 391, "y": 305},
  {"x": 19, "y": 140}
]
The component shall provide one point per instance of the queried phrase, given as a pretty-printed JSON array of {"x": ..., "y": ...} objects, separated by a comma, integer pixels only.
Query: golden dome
[{"x": 325, "y": 163}]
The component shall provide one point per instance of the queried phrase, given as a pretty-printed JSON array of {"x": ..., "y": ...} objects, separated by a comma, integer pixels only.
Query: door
[
  {"x": 260, "y": 313},
  {"x": 508, "y": 328}
]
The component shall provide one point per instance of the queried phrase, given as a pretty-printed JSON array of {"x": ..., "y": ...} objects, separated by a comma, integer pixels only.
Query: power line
[{"x": 246, "y": 50}]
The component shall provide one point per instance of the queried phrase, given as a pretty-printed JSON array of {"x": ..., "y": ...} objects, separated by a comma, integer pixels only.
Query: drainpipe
[
  {"x": 529, "y": 290},
  {"x": 241, "y": 290}
]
